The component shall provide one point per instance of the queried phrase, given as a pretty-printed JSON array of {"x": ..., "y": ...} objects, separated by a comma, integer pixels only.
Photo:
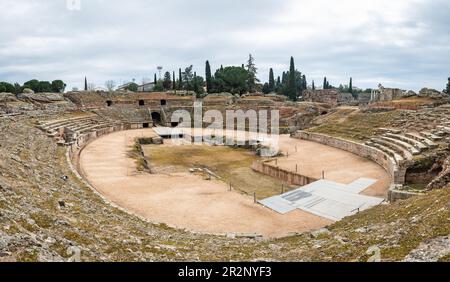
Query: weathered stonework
[{"x": 286, "y": 176}]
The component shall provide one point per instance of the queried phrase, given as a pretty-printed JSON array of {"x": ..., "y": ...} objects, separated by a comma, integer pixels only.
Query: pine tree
[
  {"x": 291, "y": 84},
  {"x": 85, "y": 84},
  {"x": 271, "y": 80},
  {"x": 167, "y": 82},
  {"x": 208, "y": 77},
  {"x": 252, "y": 71},
  {"x": 350, "y": 86}
]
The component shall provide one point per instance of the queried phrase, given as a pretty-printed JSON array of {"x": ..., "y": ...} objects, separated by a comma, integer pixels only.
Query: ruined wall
[
  {"x": 286, "y": 176},
  {"x": 327, "y": 96},
  {"x": 387, "y": 94}
]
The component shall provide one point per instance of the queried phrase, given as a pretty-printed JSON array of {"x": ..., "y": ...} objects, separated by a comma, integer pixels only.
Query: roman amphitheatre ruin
[{"x": 99, "y": 171}]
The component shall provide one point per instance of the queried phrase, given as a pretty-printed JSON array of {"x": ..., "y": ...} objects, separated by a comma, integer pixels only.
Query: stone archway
[{"x": 156, "y": 117}]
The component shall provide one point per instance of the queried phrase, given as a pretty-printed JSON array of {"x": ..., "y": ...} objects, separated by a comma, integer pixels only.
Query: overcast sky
[{"x": 399, "y": 43}]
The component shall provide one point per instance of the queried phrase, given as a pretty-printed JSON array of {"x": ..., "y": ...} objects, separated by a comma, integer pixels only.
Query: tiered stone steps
[
  {"x": 422, "y": 139},
  {"x": 391, "y": 153},
  {"x": 430, "y": 136},
  {"x": 405, "y": 154},
  {"x": 401, "y": 147},
  {"x": 415, "y": 143},
  {"x": 79, "y": 125}
]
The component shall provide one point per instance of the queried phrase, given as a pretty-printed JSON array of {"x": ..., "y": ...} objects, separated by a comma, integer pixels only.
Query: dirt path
[
  {"x": 187, "y": 201},
  {"x": 338, "y": 165}
]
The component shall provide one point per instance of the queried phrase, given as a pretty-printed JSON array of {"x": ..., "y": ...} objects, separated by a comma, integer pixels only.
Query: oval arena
[{"x": 201, "y": 194}]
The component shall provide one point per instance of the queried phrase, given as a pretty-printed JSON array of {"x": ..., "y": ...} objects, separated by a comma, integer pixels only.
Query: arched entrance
[{"x": 156, "y": 118}]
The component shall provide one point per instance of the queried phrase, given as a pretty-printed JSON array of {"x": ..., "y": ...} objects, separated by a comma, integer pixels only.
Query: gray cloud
[{"x": 397, "y": 43}]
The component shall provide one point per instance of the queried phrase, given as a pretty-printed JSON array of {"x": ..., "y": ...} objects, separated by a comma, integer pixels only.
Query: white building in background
[{"x": 146, "y": 87}]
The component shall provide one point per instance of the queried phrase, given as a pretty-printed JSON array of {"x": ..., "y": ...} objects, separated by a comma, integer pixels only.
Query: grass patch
[
  {"x": 232, "y": 165},
  {"x": 358, "y": 127}
]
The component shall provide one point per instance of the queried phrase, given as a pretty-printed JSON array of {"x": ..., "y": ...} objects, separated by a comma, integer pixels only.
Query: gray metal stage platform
[{"x": 325, "y": 198}]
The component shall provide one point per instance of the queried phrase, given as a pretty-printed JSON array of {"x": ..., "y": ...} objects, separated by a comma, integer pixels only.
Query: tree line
[
  {"x": 56, "y": 86},
  {"x": 243, "y": 79}
]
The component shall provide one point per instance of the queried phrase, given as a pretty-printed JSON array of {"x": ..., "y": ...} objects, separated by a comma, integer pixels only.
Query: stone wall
[
  {"x": 397, "y": 173},
  {"x": 286, "y": 176},
  {"x": 327, "y": 96},
  {"x": 82, "y": 140},
  {"x": 397, "y": 195}
]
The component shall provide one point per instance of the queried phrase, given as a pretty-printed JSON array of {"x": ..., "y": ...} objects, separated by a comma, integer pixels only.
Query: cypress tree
[
  {"x": 174, "y": 82},
  {"x": 350, "y": 86},
  {"x": 85, "y": 84},
  {"x": 313, "y": 86},
  {"x": 208, "y": 77},
  {"x": 283, "y": 78},
  {"x": 278, "y": 81},
  {"x": 325, "y": 83},
  {"x": 180, "y": 81},
  {"x": 291, "y": 84},
  {"x": 271, "y": 80},
  {"x": 304, "y": 83},
  {"x": 155, "y": 80},
  {"x": 195, "y": 85},
  {"x": 448, "y": 86}
]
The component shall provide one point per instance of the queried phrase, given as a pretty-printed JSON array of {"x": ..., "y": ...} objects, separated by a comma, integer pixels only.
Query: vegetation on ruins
[
  {"x": 7, "y": 87},
  {"x": 350, "y": 86},
  {"x": 132, "y": 87},
  {"x": 326, "y": 84},
  {"x": 167, "y": 82},
  {"x": 231, "y": 79},
  {"x": 291, "y": 88},
  {"x": 180, "y": 79},
  {"x": 252, "y": 71},
  {"x": 174, "y": 81},
  {"x": 448, "y": 86},
  {"x": 208, "y": 77},
  {"x": 110, "y": 85},
  {"x": 271, "y": 80},
  {"x": 56, "y": 86}
]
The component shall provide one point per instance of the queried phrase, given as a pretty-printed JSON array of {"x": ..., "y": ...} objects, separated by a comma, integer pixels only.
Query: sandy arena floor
[{"x": 183, "y": 200}]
